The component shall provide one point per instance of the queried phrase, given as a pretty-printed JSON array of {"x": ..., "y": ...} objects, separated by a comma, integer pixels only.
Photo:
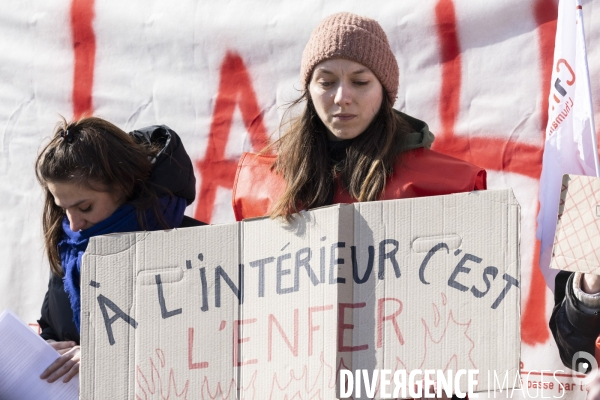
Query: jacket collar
[{"x": 420, "y": 135}]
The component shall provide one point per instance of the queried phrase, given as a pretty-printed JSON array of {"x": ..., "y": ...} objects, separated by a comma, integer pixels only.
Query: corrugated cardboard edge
[
  {"x": 515, "y": 215},
  {"x": 89, "y": 378}
]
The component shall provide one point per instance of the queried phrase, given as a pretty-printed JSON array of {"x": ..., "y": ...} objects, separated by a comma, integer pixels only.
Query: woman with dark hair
[
  {"x": 349, "y": 144},
  {"x": 97, "y": 180}
]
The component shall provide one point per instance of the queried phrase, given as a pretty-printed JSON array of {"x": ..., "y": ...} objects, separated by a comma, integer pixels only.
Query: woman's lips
[{"x": 344, "y": 117}]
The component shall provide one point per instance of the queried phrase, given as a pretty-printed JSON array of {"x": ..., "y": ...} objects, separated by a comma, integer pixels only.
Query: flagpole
[{"x": 589, "y": 89}]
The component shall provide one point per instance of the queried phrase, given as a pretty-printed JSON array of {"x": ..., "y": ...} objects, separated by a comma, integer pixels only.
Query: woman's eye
[
  {"x": 325, "y": 84},
  {"x": 87, "y": 209},
  {"x": 361, "y": 83}
]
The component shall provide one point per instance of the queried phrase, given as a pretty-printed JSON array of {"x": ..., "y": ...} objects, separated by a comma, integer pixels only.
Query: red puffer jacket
[{"x": 418, "y": 172}]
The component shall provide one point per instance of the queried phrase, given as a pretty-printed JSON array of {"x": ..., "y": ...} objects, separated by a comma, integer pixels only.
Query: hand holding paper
[
  {"x": 66, "y": 365},
  {"x": 23, "y": 357}
]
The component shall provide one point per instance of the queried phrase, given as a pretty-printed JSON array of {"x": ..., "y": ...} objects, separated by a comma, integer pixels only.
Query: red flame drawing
[
  {"x": 307, "y": 382},
  {"x": 436, "y": 341},
  {"x": 229, "y": 391},
  {"x": 155, "y": 389},
  {"x": 306, "y": 385},
  {"x": 435, "y": 346}
]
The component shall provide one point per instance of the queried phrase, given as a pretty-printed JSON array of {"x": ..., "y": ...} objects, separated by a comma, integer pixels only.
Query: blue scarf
[{"x": 124, "y": 219}]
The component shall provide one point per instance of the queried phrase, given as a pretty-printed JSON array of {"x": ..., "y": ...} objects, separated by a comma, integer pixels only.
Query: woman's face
[
  {"x": 84, "y": 206},
  {"x": 347, "y": 96}
]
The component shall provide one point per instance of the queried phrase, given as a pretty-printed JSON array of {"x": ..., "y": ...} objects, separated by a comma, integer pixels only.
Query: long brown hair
[
  {"x": 96, "y": 154},
  {"x": 304, "y": 162}
]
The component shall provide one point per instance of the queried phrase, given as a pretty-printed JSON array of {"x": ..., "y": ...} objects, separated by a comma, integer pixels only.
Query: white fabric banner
[
  {"x": 220, "y": 73},
  {"x": 571, "y": 146}
]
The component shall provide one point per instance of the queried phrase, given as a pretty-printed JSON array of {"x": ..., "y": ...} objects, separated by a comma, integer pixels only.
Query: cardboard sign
[
  {"x": 263, "y": 309},
  {"x": 577, "y": 239}
]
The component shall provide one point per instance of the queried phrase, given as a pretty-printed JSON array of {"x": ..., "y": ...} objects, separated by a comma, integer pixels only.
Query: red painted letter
[
  {"x": 191, "y": 363},
  {"x": 273, "y": 321},
  {"x": 381, "y": 319},
  {"x": 237, "y": 340},
  {"x": 343, "y": 326},
  {"x": 84, "y": 48},
  {"x": 235, "y": 89}
]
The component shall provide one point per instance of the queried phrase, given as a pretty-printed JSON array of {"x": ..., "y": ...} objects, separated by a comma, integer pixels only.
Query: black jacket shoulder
[
  {"x": 56, "y": 322},
  {"x": 189, "y": 222},
  {"x": 172, "y": 170}
]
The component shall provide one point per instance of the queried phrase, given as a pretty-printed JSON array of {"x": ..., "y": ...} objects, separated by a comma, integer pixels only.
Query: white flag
[{"x": 570, "y": 146}]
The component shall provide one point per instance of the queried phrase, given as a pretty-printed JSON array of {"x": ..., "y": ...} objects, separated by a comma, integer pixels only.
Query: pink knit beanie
[{"x": 355, "y": 38}]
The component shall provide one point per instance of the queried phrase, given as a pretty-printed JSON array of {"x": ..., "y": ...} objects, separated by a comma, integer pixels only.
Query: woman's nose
[
  {"x": 343, "y": 94},
  {"x": 75, "y": 222}
]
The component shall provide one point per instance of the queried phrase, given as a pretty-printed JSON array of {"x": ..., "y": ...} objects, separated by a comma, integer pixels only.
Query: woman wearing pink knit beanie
[{"x": 349, "y": 144}]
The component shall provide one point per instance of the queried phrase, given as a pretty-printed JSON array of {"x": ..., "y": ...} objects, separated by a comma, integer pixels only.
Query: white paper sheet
[{"x": 23, "y": 357}]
